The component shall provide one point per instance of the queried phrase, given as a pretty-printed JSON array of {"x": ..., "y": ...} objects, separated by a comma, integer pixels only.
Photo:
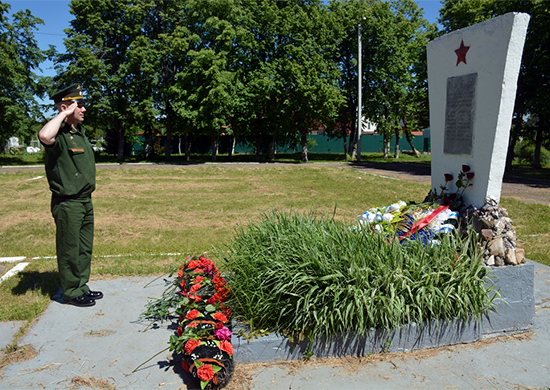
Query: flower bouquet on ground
[
  {"x": 198, "y": 296},
  {"x": 425, "y": 222}
]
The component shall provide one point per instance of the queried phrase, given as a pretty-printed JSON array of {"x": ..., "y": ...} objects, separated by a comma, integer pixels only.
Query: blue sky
[{"x": 56, "y": 16}]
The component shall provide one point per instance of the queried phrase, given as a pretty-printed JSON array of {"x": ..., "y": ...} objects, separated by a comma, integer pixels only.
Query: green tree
[
  {"x": 533, "y": 96},
  {"x": 156, "y": 58},
  {"x": 395, "y": 37},
  {"x": 205, "y": 89},
  {"x": 311, "y": 97},
  {"x": 97, "y": 56},
  {"x": 288, "y": 83},
  {"x": 20, "y": 58}
]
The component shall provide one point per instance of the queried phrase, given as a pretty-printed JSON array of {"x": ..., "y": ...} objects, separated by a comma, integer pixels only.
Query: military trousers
[{"x": 74, "y": 221}]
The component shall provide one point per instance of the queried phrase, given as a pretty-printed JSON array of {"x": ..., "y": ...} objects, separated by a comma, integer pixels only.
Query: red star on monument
[{"x": 461, "y": 53}]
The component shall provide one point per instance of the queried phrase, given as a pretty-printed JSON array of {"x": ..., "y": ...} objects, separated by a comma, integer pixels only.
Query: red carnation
[
  {"x": 180, "y": 273},
  {"x": 226, "y": 346},
  {"x": 448, "y": 177},
  {"x": 180, "y": 332},
  {"x": 227, "y": 312},
  {"x": 214, "y": 298},
  {"x": 193, "y": 264},
  {"x": 220, "y": 317},
  {"x": 205, "y": 372},
  {"x": 193, "y": 314},
  {"x": 198, "y": 279},
  {"x": 218, "y": 325},
  {"x": 470, "y": 175},
  {"x": 194, "y": 288},
  {"x": 465, "y": 168},
  {"x": 198, "y": 271},
  {"x": 191, "y": 345}
]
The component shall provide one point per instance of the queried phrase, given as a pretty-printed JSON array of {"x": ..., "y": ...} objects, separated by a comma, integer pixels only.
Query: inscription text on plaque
[{"x": 459, "y": 115}]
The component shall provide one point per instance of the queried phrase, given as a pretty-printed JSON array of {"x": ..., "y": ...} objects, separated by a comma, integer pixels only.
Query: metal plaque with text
[{"x": 459, "y": 115}]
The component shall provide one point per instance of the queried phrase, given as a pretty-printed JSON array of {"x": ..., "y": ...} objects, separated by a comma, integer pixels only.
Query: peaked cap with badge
[{"x": 70, "y": 93}]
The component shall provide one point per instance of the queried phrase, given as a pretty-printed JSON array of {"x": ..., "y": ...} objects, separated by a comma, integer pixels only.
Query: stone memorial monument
[{"x": 472, "y": 82}]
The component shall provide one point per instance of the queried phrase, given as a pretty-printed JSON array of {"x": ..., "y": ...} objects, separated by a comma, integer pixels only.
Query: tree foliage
[
  {"x": 270, "y": 71},
  {"x": 20, "y": 58}
]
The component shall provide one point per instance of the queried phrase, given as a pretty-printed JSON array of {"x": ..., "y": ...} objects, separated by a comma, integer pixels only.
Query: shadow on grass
[{"x": 45, "y": 282}]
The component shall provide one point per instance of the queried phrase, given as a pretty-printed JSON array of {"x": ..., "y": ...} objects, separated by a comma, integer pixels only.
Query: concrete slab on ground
[{"x": 77, "y": 346}]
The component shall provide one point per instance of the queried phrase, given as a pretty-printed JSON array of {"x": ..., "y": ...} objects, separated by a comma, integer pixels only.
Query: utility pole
[{"x": 359, "y": 87}]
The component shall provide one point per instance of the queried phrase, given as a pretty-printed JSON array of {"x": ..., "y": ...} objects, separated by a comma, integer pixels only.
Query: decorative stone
[
  {"x": 487, "y": 234},
  {"x": 510, "y": 257},
  {"x": 500, "y": 226},
  {"x": 498, "y": 261},
  {"x": 520, "y": 255},
  {"x": 496, "y": 247},
  {"x": 491, "y": 261}
]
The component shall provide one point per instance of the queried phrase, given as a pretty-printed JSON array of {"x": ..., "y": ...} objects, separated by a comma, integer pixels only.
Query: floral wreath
[
  {"x": 197, "y": 295},
  {"x": 203, "y": 336}
]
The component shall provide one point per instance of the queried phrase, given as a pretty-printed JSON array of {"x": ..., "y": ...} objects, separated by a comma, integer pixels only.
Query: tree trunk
[
  {"x": 187, "y": 140},
  {"x": 410, "y": 141},
  {"x": 271, "y": 148},
  {"x": 179, "y": 145},
  {"x": 168, "y": 145},
  {"x": 304, "y": 146},
  {"x": 232, "y": 147},
  {"x": 147, "y": 144},
  {"x": 120, "y": 149},
  {"x": 397, "y": 139},
  {"x": 214, "y": 143},
  {"x": 515, "y": 131},
  {"x": 386, "y": 146},
  {"x": 538, "y": 141},
  {"x": 352, "y": 146},
  {"x": 345, "y": 133},
  {"x": 258, "y": 146}
]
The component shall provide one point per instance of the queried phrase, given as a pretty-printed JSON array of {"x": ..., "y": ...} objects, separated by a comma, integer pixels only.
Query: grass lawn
[{"x": 148, "y": 218}]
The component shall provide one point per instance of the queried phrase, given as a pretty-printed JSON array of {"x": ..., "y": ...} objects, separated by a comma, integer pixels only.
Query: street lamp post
[{"x": 359, "y": 102}]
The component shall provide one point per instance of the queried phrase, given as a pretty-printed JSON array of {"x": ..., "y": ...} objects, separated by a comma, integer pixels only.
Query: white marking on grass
[
  {"x": 12, "y": 259},
  {"x": 18, "y": 268}
]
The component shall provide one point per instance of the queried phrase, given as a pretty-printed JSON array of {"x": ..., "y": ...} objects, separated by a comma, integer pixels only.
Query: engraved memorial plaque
[{"x": 459, "y": 115}]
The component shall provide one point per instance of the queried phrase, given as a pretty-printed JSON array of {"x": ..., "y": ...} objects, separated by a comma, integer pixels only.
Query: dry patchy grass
[{"x": 14, "y": 353}]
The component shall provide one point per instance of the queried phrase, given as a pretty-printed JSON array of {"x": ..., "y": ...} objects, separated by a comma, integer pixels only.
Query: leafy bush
[
  {"x": 311, "y": 276},
  {"x": 525, "y": 151}
]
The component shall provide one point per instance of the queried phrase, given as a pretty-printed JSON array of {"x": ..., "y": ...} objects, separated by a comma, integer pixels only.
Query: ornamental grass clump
[{"x": 310, "y": 276}]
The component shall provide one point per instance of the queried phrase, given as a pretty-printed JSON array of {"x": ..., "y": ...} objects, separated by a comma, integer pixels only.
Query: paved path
[
  {"x": 102, "y": 345},
  {"x": 514, "y": 187}
]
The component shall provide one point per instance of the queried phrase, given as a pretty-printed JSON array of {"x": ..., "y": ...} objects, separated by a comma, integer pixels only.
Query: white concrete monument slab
[{"x": 472, "y": 80}]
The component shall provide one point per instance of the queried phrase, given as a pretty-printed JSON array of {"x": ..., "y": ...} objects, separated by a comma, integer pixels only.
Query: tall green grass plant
[{"x": 313, "y": 276}]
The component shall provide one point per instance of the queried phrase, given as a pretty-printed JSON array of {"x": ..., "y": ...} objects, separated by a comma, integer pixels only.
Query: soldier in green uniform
[{"x": 70, "y": 169}]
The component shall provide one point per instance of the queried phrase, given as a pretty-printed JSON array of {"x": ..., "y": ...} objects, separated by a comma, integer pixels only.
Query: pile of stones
[{"x": 496, "y": 232}]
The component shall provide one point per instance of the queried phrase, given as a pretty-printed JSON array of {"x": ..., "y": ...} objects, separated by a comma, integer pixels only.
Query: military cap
[{"x": 72, "y": 92}]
